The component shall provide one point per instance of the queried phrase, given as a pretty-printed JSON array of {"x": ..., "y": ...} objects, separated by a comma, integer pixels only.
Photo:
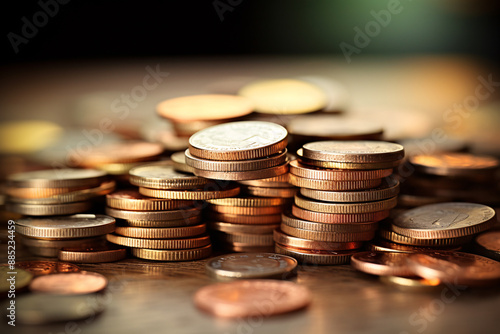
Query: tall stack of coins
[
  {"x": 444, "y": 177},
  {"x": 442, "y": 226},
  {"x": 55, "y": 192},
  {"x": 245, "y": 224},
  {"x": 167, "y": 227},
  {"x": 47, "y": 236},
  {"x": 190, "y": 114},
  {"x": 345, "y": 189}
]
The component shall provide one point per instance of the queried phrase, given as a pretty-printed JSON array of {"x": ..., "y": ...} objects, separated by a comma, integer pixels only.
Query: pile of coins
[
  {"x": 445, "y": 177},
  {"x": 48, "y": 236},
  {"x": 345, "y": 189},
  {"x": 245, "y": 224},
  {"x": 278, "y": 186},
  {"x": 56, "y": 191},
  {"x": 167, "y": 227}
]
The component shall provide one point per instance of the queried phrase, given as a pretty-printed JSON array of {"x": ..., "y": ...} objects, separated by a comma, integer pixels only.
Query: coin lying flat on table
[
  {"x": 455, "y": 164},
  {"x": 353, "y": 151},
  {"x": 245, "y": 298},
  {"x": 488, "y": 244},
  {"x": 38, "y": 268},
  {"x": 163, "y": 176},
  {"x": 382, "y": 263},
  {"x": 238, "y": 141},
  {"x": 82, "y": 282},
  {"x": 444, "y": 220},
  {"x": 411, "y": 283},
  {"x": 57, "y": 178},
  {"x": 251, "y": 265}
]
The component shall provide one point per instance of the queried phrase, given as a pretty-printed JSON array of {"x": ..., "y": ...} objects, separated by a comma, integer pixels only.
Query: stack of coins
[
  {"x": 47, "y": 236},
  {"x": 239, "y": 151},
  {"x": 245, "y": 224},
  {"x": 168, "y": 227},
  {"x": 117, "y": 159},
  {"x": 56, "y": 191},
  {"x": 445, "y": 177},
  {"x": 442, "y": 226},
  {"x": 345, "y": 189},
  {"x": 190, "y": 114}
]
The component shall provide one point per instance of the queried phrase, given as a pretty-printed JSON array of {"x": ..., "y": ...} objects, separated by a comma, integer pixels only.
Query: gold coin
[
  {"x": 204, "y": 107},
  {"x": 245, "y": 239},
  {"x": 195, "y": 194},
  {"x": 455, "y": 164},
  {"x": 103, "y": 253},
  {"x": 333, "y": 185},
  {"x": 346, "y": 165},
  {"x": 238, "y": 141},
  {"x": 280, "y": 181},
  {"x": 288, "y": 192},
  {"x": 164, "y": 176},
  {"x": 22, "y": 279},
  {"x": 236, "y": 166},
  {"x": 244, "y": 219},
  {"x": 339, "y": 218},
  {"x": 184, "y": 243},
  {"x": 321, "y": 257},
  {"x": 389, "y": 188},
  {"x": 308, "y": 172},
  {"x": 69, "y": 227},
  {"x": 49, "y": 209},
  {"x": 153, "y": 215},
  {"x": 161, "y": 233},
  {"x": 345, "y": 208},
  {"x": 246, "y": 175},
  {"x": 57, "y": 178},
  {"x": 291, "y": 241},
  {"x": 173, "y": 255},
  {"x": 133, "y": 200},
  {"x": 362, "y": 151},
  {"x": 284, "y": 96},
  {"x": 242, "y": 228},
  {"x": 444, "y": 220},
  {"x": 401, "y": 239},
  {"x": 291, "y": 221},
  {"x": 327, "y": 236},
  {"x": 179, "y": 162},
  {"x": 70, "y": 197},
  {"x": 251, "y": 265},
  {"x": 245, "y": 210},
  {"x": 188, "y": 221},
  {"x": 248, "y": 201}
]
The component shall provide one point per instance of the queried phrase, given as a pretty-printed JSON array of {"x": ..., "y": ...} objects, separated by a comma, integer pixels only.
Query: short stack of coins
[
  {"x": 445, "y": 177},
  {"x": 345, "y": 189},
  {"x": 56, "y": 192},
  {"x": 244, "y": 224},
  {"x": 46, "y": 236},
  {"x": 167, "y": 227}
]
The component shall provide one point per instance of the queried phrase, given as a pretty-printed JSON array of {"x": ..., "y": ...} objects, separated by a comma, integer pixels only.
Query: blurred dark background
[{"x": 129, "y": 29}]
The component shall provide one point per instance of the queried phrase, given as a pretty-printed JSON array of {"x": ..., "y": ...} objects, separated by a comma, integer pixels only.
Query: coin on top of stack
[
  {"x": 245, "y": 224},
  {"x": 54, "y": 192},
  {"x": 238, "y": 151},
  {"x": 345, "y": 189},
  {"x": 47, "y": 236},
  {"x": 190, "y": 114}
]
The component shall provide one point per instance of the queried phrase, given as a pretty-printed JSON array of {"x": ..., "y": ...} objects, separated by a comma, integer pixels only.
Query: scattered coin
[
  {"x": 455, "y": 164},
  {"x": 411, "y": 283},
  {"x": 488, "y": 244},
  {"x": 38, "y": 268},
  {"x": 82, "y": 282},
  {"x": 382, "y": 263}
]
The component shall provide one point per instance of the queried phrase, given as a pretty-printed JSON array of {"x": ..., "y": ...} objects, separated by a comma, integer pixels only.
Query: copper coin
[
  {"x": 208, "y": 192},
  {"x": 162, "y": 175},
  {"x": 328, "y": 236},
  {"x": 38, "y": 268},
  {"x": 133, "y": 200},
  {"x": 153, "y": 215},
  {"x": 309, "y": 172},
  {"x": 290, "y": 220},
  {"x": 456, "y": 268},
  {"x": 246, "y": 249},
  {"x": 444, "y": 220},
  {"x": 288, "y": 192},
  {"x": 339, "y": 218},
  {"x": 316, "y": 256},
  {"x": 188, "y": 221},
  {"x": 353, "y": 151},
  {"x": 455, "y": 164},
  {"x": 46, "y": 243},
  {"x": 333, "y": 185},
  {"x": 280, "y": 181},
  {"x": 401, "y": 239},
  {"x": 244, "y": 175},
  {"x": 248, "y": 201},
  {"x": 344, "y": 208},
  {"x": 103, "y": 253},
  {"x": 57, "y": 178},
  {"x": 173, "y": 255},
  {"x": 387, "y": 246},
  {"x": 412, "y": 283},
  {"x": 245, "y": 210},
  {"x": 291, "y": 241},
  {"x": 69, "y": 283},
  {"x": 247, "y": 298},
  {"x": 488, "y": 244},
  {"x": 179, "y": 162},
  {"x": 49, "y": 209},
  {"x": 242, "y": 228},
  {"x": 244, "y": 219},
  {"x": 204, "y": 107},
  {"x": 238, "y": 141},
  {"x": 124, "y": 152},
  {"x": 346, "y": 165},
  {"x": 242, "y": 239},
  {"x": 33, "y": 193},
  {"x": 161, "y": 233},
  {"x": 382, "y": 263},
  {"x": 181, "y": 243}
]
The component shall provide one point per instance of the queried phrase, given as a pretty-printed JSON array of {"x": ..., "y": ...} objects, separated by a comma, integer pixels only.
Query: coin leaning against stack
[
  {"x": 345, "y": 189},
  {"x": 56, "y": 192}
]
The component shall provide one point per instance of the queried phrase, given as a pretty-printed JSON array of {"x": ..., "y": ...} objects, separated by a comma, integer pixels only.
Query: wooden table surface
[{"x": 156, "y": 297}]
